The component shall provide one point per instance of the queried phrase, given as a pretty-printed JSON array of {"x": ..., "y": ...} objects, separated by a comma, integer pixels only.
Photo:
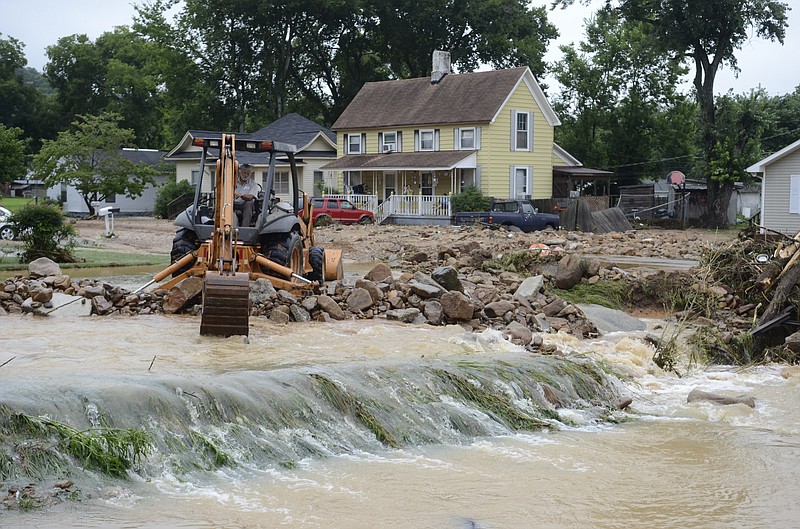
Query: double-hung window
[
  {"x": 426, "y": 140},
  {"x": 281, "y": 184},
  {"x": 389, "y": 142},
  {"x": 521, "y": 131},
  {"x": 467, "y": 139},
  {"x": 354, "y": 144}
]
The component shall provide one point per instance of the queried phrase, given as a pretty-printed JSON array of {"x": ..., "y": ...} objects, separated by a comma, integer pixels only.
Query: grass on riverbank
[{"x": 86, "y": 258}]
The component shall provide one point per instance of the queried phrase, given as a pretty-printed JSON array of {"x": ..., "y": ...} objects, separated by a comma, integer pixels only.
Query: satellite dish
[{"x": 676, "y": 178}]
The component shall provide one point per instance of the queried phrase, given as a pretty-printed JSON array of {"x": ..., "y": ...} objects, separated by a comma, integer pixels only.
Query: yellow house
[{"x": 411, "y": 143}]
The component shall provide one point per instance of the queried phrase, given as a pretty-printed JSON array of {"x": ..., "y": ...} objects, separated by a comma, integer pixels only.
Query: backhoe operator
[{"x": 245, "y": 193}]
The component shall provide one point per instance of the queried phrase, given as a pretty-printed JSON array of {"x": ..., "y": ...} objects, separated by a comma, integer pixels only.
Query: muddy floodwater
[{"x": 663, "y": 463}]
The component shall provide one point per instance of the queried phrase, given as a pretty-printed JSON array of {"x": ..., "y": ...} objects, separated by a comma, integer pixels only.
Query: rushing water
[{"x": 668, "y": 464}]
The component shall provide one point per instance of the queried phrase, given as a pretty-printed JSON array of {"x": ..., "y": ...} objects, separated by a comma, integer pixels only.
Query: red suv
[{"x": 327, "y": 210}]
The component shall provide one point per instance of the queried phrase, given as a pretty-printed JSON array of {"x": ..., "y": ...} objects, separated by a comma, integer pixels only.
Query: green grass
[
  {"x": 93, "y": 258},
  {"x": 14, "y": 203},
  {"x": 609, "y": 294}
]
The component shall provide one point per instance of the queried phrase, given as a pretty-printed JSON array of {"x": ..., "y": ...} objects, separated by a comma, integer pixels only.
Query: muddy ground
[{"x": 396, "y": 243}]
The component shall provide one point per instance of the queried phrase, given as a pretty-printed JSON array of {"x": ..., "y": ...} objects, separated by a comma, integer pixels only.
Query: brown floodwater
[{"x": 669, "y": 465}]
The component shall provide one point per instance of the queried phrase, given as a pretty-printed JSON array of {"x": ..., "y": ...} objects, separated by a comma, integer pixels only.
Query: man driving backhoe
[{"x": 245, "y": 194}]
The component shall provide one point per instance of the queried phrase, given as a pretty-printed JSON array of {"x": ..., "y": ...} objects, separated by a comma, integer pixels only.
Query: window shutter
[
  {"x": 380, "y": 142},
  {"x": 477, "y": 138},
  {"x": 346, "y": 144},
  {"x": 529, "y": 187},
  {"x": 363, "y": 143},
  {"x": 436, "y": 139},
  {"x": 530, "y": 131},
  {"x": 512, "y": 178},
  {"x": 416, "y": 140},
  {"x": 513, "y": 130},
  {"x": 456, "y": 139},
  {"x": 478, "y": 176},
  {"x": 399, "y": 141},
  {"x": 794, "y": 194}
]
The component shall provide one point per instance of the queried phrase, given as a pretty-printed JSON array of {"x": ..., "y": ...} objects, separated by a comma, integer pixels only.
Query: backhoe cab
[{"x": 212, "y": 245}]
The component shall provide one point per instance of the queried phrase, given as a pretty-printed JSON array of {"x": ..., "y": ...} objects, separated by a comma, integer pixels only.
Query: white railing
[
  {"x": 414, "y": 206},
  {"x": 369, "y": 202}
]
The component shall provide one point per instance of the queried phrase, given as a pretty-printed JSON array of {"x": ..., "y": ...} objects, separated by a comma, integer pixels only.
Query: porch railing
[
  {"x": 414, "y": 206},
  {"x": 369, "y": 202}
]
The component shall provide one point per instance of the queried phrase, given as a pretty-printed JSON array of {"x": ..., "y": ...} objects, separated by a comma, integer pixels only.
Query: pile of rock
[{"x": 507, "y": 302}]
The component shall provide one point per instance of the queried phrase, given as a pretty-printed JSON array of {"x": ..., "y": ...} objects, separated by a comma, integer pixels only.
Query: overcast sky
[{"x": 40, "y": 23}]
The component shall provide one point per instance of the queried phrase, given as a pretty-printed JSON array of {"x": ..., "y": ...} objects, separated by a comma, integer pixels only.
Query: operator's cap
[{"x": 245, "y": 166}]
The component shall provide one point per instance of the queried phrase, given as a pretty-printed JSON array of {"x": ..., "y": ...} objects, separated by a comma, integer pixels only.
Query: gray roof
[
  {"x": 462, "y": 98},
  {"x": 148, "y": 156},
  {"x": 293, "y": 128}
]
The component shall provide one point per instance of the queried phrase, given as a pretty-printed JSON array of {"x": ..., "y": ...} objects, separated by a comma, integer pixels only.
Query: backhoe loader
[{"x": 210, "y": 242}]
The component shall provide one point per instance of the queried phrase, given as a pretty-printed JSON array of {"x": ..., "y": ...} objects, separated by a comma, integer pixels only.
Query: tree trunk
[{"x": 719, "y": 198}]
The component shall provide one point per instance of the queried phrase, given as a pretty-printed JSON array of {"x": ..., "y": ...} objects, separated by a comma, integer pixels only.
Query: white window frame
[
  {"x": 514, "y": 176},
  {"x": 392, "y": 145},
  {"x": 794, "y": 193},
  {"x": 350, "y": 146},
  {"x": 516, "y": 130},
  {"x": 281, "y": 180},
  {"x": 461, "y": 145},
  {"x": 432, "y": 132}
]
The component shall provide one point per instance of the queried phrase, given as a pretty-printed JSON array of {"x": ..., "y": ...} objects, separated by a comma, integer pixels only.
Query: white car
[{"x": 6, "y": 229}]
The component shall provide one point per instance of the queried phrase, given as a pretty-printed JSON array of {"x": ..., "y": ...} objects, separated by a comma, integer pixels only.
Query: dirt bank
[{"x": 396, "y": 243}]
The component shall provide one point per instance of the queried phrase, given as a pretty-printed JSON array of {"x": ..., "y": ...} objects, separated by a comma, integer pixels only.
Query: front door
[{"x": 389, "y": 185}]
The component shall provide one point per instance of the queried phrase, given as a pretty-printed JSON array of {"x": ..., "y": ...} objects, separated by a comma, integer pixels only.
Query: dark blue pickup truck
[{"x": 519, "y": 213}]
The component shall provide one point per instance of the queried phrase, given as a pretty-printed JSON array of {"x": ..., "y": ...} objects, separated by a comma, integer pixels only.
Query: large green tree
[
  {"x": 119, "y": 72},
  {"x": 12, "y": 154},
  {"x": 706, "y": 34},
  {"x": 618, "y": 101},
  {"x": 89, "y": 158}
]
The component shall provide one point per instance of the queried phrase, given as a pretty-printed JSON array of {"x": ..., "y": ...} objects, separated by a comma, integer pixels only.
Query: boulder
[
  {"x": 41, "y": 294},
  {"x": 330, "y": 307},
  {"x": 402, "y": 315},
  {"x": 359, "y": 299},
  {"x": 299, "y": 314},
  {"x": 43, "y": 267},
  {"x": 455, "y": 305},
  {"x": 379, "y": 272},
  {"x": 101, "y": 306},
  {"x": 181, "y": 294},
  {"x": 447, "y": 277},
  {"x": 433, "y": 312},
  {"x": 723, "y": 400},
  {"x": 519, "y": 333},
  {"x": 425, "y": 291},
  {"x": 371, "y": 287},
  {"x": 91, "y": 291},
  {"x": 279, "y": 316},
  {"x": 498, "y": 309},
  {"x": 529, "y": 288},
  {"x": 261, "y": 290},
  {"x": 570, "y": 271}
]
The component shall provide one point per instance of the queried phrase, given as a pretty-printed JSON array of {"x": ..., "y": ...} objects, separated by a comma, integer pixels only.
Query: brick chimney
[{"x": 441, "y": 65}]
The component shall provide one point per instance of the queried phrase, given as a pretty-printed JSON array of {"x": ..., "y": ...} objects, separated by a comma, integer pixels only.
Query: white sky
[{"x": 40, "y": 23}]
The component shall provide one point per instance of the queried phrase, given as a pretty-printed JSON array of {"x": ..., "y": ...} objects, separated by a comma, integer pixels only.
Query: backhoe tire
[
  {"x": 185, "y": 241},
  {"x": 316, "y": 258},
  {"x": 288, "y": 252}
]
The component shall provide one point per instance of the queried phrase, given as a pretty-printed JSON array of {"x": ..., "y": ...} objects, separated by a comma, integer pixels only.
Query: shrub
[
  {"x": 471, "y": 199},
  {"x": 44, "y": 232},
  {"x": 169, "y": 192}
]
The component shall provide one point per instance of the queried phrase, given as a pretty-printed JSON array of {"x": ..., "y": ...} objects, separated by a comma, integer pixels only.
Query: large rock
[
  {"x": 447, "y": 277},
  {"x": 433, "y": 312},
  {"x": 43, "y": 267},
  {"x": 41, "y": 294},
  {"x": 101, "y": 306},
  {"x": 181, "y": 294},
  {"x": 379, "y": 272},
  {"x": 261, "y": 290},
  {"x": 403, "y": 315},
  {"x": 371, "y": 287},
  {"x": 529, "y": 289},
  {"x": 723, "y": 400},
  {"x": 359, "y": 299},
  {"x": 570, "y": 271},
  {"x": 519, "y": 333},
  {"x": 498, "y": 309},
  {"x": 300, "y": 314},
  {"x": 329, "y": 306},
  {"x": 425, "y": 291},
  {"x": 455, "y": 305}
]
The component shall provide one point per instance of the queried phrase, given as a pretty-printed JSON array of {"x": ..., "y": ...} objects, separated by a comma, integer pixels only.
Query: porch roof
[{"x": 405, "y": 161}]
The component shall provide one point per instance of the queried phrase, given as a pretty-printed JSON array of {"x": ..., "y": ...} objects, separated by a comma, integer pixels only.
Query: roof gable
[
  {"x": 295, "y": 129},
  {"x": 475, "y": 97},
  {"x": 759, "y": 167}
]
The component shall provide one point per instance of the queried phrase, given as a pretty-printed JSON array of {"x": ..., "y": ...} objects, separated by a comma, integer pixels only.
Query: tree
[
  {"x": 89, "y": 159},
  {"x": 119, "y": 72},
  {"x": 707, "y": 33},
  {"x": 616, "y": 89},
  {"x": 12, "y": 154}
]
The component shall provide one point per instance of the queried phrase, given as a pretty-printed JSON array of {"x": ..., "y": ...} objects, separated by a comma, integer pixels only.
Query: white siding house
[
  {"x": 780, "y": 189},
  {"x": 73, "y": 203}
]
